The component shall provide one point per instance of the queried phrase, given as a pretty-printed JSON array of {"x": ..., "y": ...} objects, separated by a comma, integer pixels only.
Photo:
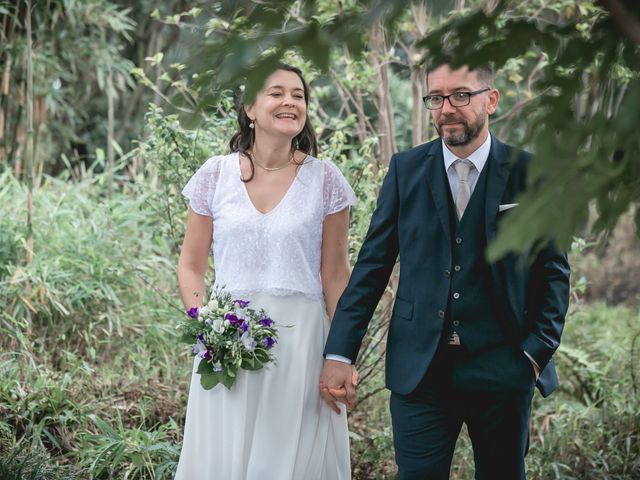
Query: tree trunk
[
  {"x": 386, "y": 131},
  {"x": 420, "y": 115}
]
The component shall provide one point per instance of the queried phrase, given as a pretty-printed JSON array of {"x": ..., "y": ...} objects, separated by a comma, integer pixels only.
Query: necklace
[{"x": 271, "y": 169}]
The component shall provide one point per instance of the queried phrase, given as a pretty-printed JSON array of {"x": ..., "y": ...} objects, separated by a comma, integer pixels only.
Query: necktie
[{"x": 464, "y": 190}]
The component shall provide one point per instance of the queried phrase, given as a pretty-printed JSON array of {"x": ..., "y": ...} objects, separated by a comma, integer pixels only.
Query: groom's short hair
[{"x": 484, "y": 71}]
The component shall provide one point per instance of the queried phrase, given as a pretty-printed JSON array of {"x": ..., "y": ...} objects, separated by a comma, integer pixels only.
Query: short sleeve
[
  {"x": 201, "y": 187},
  {"x": 337, "y": 193}
]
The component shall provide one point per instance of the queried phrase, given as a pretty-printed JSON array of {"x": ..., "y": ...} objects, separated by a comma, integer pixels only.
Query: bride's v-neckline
[{"x": 282, "y": 199}]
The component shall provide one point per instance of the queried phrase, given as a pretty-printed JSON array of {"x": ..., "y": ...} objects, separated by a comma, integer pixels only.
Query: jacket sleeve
[
  {"x": 370, "y": 274},
  {"x": 547, "y": 305}
]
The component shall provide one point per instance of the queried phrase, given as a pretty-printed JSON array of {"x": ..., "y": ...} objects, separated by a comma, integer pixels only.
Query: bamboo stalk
[
  {"x": 110, "y": 135},
  {"x": 29, "y": 137},
  {"x": 6, "y": 75}
]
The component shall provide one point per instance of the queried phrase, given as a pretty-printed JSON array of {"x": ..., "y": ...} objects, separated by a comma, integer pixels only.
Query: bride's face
[{"x": 280, "y": 108}]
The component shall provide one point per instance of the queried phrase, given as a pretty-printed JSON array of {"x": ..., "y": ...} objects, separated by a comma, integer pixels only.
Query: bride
[{"x": 277, "y": 218}]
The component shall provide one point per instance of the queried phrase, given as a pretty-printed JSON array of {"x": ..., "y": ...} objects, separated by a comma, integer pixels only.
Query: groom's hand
[{"x": 337, "y": 384}]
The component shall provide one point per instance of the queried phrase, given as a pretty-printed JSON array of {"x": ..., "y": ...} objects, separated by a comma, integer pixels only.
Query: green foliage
[
  {"x": 124, "y": 452},
  {"x": 171, "y": 154},
  {"x": 100, "y": 275},
  {"x": 19, "y": 462},
  {"x": 260, "y": 34},
  {"x": 82, "y": 267},
  {"x": 77, "y": 45}
]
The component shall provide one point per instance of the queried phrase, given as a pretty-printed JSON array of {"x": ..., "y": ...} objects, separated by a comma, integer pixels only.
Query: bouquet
[{"x": 228, "y": 335}]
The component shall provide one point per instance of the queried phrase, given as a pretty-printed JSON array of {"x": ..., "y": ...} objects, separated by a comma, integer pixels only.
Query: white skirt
[{"x": 272, "y": 424}]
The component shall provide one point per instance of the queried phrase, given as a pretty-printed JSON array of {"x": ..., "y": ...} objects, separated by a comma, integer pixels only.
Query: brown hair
[
  {"x": 484, "y": 71},
  {"x": 243, "y": 139}
]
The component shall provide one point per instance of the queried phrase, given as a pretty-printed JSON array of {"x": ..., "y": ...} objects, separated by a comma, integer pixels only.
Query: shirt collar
[{"x": 478, "y": 157}]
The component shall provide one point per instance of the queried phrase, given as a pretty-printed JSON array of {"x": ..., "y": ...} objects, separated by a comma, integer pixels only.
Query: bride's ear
[{"x": 248, "y": 110}]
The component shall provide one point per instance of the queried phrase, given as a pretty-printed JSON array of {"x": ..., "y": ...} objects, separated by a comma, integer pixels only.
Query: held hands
[{"x": 338, "y": 384}]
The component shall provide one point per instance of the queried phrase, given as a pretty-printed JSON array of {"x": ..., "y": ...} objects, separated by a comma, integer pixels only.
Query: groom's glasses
[{"x": 457, "y": 99}]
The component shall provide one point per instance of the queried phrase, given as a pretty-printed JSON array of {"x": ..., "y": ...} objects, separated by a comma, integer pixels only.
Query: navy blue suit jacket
[{"x": 411, "y": 220}]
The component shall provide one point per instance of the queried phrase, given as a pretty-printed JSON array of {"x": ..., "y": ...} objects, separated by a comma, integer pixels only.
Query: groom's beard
[{"x": 469, "y": 131}]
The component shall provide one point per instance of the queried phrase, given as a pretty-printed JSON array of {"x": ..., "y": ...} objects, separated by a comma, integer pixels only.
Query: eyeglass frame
[{"x": 446, "y": 97}]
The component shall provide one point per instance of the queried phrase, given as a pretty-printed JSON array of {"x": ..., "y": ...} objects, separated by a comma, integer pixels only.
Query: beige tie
[{"x": 464, "y": 190}]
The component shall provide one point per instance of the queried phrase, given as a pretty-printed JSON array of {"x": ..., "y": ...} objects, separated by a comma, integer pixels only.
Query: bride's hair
[{"x": 305, "y": 141}]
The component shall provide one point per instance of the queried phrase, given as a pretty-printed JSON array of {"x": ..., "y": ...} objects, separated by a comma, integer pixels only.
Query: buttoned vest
[{"x": 471, "y": 310}]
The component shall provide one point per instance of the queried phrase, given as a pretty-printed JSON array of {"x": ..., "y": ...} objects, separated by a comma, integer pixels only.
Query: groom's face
[{"x": 461, "y": 125}]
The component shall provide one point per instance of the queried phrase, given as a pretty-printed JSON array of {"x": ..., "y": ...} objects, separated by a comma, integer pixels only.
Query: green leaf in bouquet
[
  {"x": 186, "y": 337},
  {"x": 228, "y": 378},
  {"x": 247, "y": 364},
  {"x": 205, "y": 368},
  {"x": 251, "y": 363},
  {"x": 210, "y": 380},
  {"x": 262, "y": 356}
]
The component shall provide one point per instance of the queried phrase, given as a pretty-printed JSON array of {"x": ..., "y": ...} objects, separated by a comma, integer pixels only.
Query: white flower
[
  {"x": 218, "y": 325},
  {"x": 205, "y": 310},
  {"x": 241, "y": 313},
  {"x": 217, "y": 367},
  {"x": 213, "y": 304},
  {"x": 227, "y": 323},
  {"x": 248, "y": 341}
]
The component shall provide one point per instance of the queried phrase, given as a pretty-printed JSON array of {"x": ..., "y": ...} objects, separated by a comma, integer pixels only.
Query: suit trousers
[{"x": 458, "y": 388}]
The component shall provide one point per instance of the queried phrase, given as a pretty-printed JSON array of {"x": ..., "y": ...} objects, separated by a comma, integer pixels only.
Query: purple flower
[
  {"x": 265, "y": 322},
  {"x": 244, "y": 326},
  {"x": 200, "y": 348},
  {"x": 233, "y": 319},
  {"x": 193, "y": 312},
  {"x": 206, "y": 355},
  {"x": 268, "y": 342},
  {"x": 241, "y": 303}
]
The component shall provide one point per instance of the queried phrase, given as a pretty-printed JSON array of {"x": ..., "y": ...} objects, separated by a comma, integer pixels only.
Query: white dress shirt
[{"x": 478, "y": 159}]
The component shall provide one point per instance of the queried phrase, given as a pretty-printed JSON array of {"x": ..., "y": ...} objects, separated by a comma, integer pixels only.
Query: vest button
[
  {"x": 447, "y": 273},
  {"x": 456, "y": 295},
  {"x": 457, "y": 268},
  {"x": 458, "y": 240},
  {"x": 456, "y": 323},
  {"x": 441, "y": 313}
]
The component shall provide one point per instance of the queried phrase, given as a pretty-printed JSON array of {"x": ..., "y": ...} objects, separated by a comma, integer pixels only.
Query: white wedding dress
[{"x": 272, "y": 424}]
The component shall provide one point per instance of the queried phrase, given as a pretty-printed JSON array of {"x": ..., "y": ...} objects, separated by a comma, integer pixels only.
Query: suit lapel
[
  {"x": 496, "y": 184},
  {"x": 497, "y": 179},
  {"x": 438, "y": 183}
]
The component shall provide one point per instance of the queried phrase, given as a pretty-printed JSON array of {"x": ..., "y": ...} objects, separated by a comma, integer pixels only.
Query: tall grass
[{"x": 89, "y": 365}]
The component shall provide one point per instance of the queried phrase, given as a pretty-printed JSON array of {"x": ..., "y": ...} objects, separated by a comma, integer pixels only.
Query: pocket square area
[{"x": 506, "y": 206}]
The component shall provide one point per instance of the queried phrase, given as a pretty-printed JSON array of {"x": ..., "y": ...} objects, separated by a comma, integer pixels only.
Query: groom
[{"x": 468, "y": 339}]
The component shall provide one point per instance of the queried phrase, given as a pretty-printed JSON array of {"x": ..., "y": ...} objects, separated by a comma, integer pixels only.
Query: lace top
[{"x": 277, "y": 252}]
